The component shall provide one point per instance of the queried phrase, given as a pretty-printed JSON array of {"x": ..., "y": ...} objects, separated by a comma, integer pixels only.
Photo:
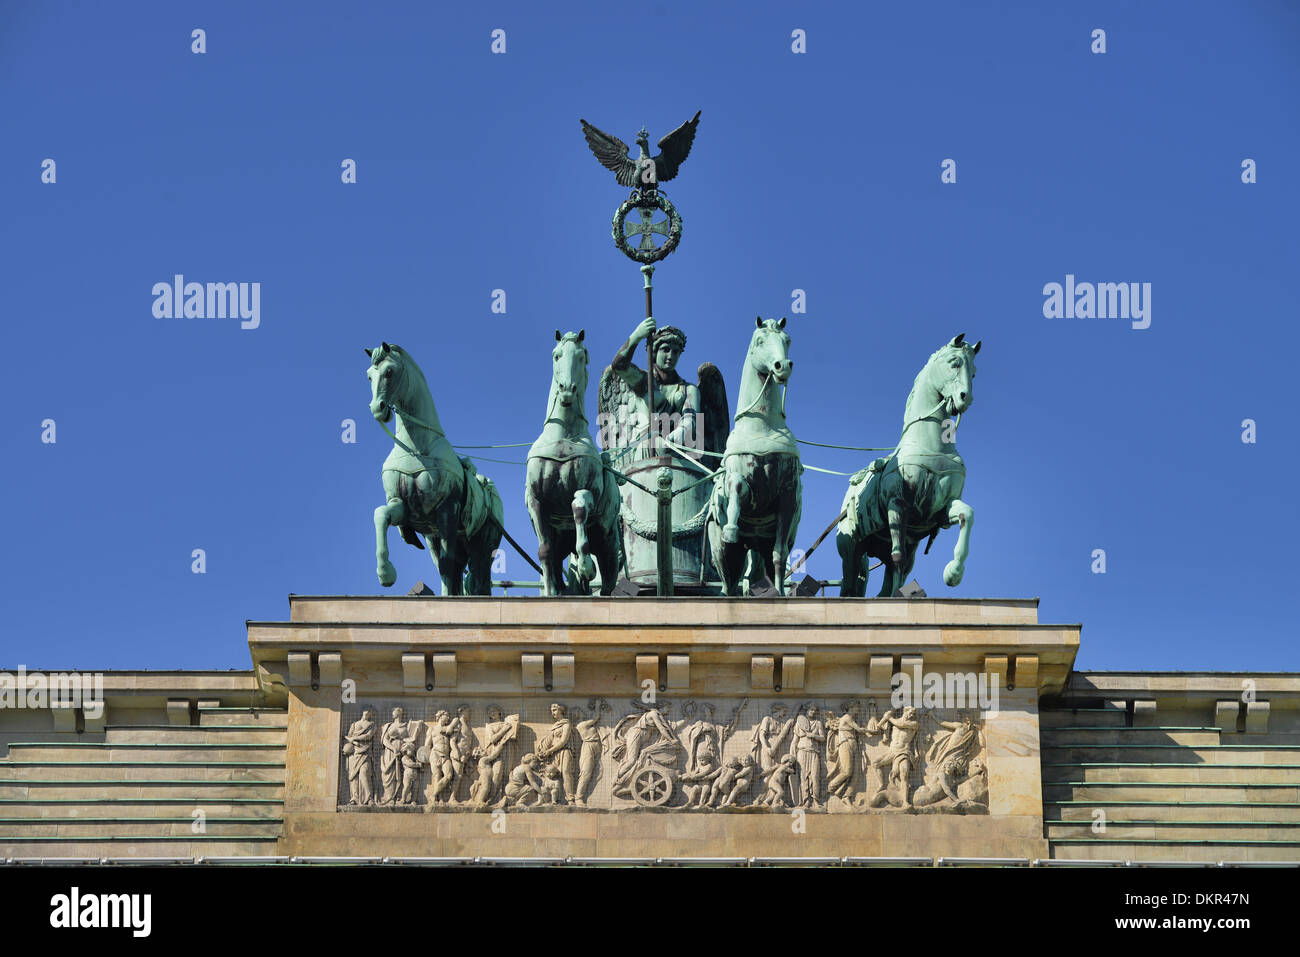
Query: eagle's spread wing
[
  {"x": 674, "y": 147},
  {"x": 612, "y": 153}
]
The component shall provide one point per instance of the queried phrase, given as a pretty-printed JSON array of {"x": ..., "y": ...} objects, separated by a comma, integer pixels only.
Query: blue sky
[{"x": 817, "y": 171}]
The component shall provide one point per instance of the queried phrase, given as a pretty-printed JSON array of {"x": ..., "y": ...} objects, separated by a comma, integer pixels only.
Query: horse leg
[
  {"x": 450, "y": 569},
  {"x": 736, "y": 490},
  {"x": 853, "y": 583},
  {"x": 786, "y": 506},
  {"x": 960, "y": 512},
  {"x": 581, "y": 568},
  {"x": 392, "y": 513},
  {"x": 480, "y": 563},
  {"x": 542, "y": 529}
]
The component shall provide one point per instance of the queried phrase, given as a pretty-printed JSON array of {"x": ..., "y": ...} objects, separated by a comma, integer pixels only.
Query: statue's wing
[
  {"x": 717, "y": 413},
  {"x": 613, "y": 399},
  {"x": 675, "y": 147},
  {"x": 612, "y": 153}
]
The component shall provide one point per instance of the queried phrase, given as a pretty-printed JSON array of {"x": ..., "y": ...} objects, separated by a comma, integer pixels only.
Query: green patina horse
[
  {"x": 757, "y": 500},
  {"x": 897, "y": 501},
  {"x": 573, "y": 502},
  {"x": 430, "y": 491}
]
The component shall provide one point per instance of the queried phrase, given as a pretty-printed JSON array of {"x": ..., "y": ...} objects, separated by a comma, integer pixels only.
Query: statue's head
[
  {"x": 953, "y": 374},
  {"x": 495, "y": 713},
  {"x": 368, "y": 714},
  {"x": 769, "y": 349},
  {"x": 385, "y": 375},
  {"x": 399, "y": 714},
  {"x": 779, "y": 711},
  {"x": 669, "y": 344},
  {"x": 909, "y": 714},
  {"x": 558, "y": 710},
  {"x": 812, "y": 711}
]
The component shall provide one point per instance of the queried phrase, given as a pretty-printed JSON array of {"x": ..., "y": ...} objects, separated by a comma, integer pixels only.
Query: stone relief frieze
[{"x": 692, "y": 755}]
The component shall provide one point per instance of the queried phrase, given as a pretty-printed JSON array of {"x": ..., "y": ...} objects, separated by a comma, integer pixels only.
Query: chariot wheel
[{"x": 651, "y": 787}]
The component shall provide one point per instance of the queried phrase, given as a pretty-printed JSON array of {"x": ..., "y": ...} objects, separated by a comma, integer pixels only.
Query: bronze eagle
[{"x": 613, "y": 152}]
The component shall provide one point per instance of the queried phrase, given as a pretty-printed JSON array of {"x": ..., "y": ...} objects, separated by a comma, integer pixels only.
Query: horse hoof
[
  {"x": 731, "y": 534},
  {"x": 952, "y": 573},
  {"x": 387, "y": 574},
  {"x": 896, "y": 558}
]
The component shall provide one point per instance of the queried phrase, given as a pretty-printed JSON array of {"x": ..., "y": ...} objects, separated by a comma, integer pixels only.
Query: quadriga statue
[
  {"x": 429, "y": 490},
  {"x": 572, "y": 500},
  {"x": 898, "y": 501}
]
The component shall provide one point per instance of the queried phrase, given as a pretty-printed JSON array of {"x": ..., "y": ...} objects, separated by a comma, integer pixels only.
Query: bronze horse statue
[
  {"x": 899, "y": 500},
  {"x": 757, "y": 500},
  {"x": 430, "y": 491},
  {"x": 572, "y": 500}
]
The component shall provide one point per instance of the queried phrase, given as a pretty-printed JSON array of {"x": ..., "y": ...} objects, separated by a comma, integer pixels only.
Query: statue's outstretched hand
[{"x": 645, "y": 329}]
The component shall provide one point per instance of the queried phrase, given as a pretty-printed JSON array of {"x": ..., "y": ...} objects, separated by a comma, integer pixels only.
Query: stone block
[
  {"x": 444, "y": 669},
  {"x": 562, "y": 672},
  {"x": 1256, "y": 717},
  {"x": 1144, "y": 713},
  {"x": 65, "y": 718},
  {"x": 413, "y": 672},
  {"x": 1027, "y": 672},
  {"x": 534, "y": 670},
  {"x": 1225, "y": 715},
  {"x": 792, "y": 672},
  {"x": 762, "y": 668},
  {"x": 880, "y": 671},
  {"x": 178, "y": 711},
  {"x": 299, "y": 669},
  {"x": 330, "y": 665},
  {"x": 679, "y": 672},
  {"x": 647, "y": 669}
]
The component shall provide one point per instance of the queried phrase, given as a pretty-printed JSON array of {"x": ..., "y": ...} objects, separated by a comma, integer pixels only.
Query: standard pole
[
  {"x": 664, "y": 538},
  {"x": 648, "y": 271}
]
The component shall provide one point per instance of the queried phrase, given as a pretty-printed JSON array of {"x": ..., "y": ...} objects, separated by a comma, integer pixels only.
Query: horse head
[
  {"x": 769, "y": 350},
  {"x": 951, "y": 374},
  {"x": 387, "y": 379},
  {"x": 569, "y": 371}
]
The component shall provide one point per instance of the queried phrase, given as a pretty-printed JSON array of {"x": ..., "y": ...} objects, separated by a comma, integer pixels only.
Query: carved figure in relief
[
  {"x": 779, "y": 781},
  {"x": 556, "y": 748},
  {"x": 974, "y": 791},
  {"x": 900, "y": 738},
  {"x": 359, "y": 749},
  {"x": 592, "y": 747},
  {"x": 702, "y": 769},
  {"x": 394, "y": 738},
  {"x": 746, "y": 772},
  {"x": 500, "y": 731},
  {"x": 410, "y": 772},
  {"x": 842, "y": 749},
  {"x": 638, "y": 738},
  {"x": 462, "y": 748},
  {"x": 438, "y": 742},
  {"x": 809, "y": 739},
  {"x": 525, "y": 783},
  {"x": 948, "y": 760},
  {"x": 770, "y": 736}
]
